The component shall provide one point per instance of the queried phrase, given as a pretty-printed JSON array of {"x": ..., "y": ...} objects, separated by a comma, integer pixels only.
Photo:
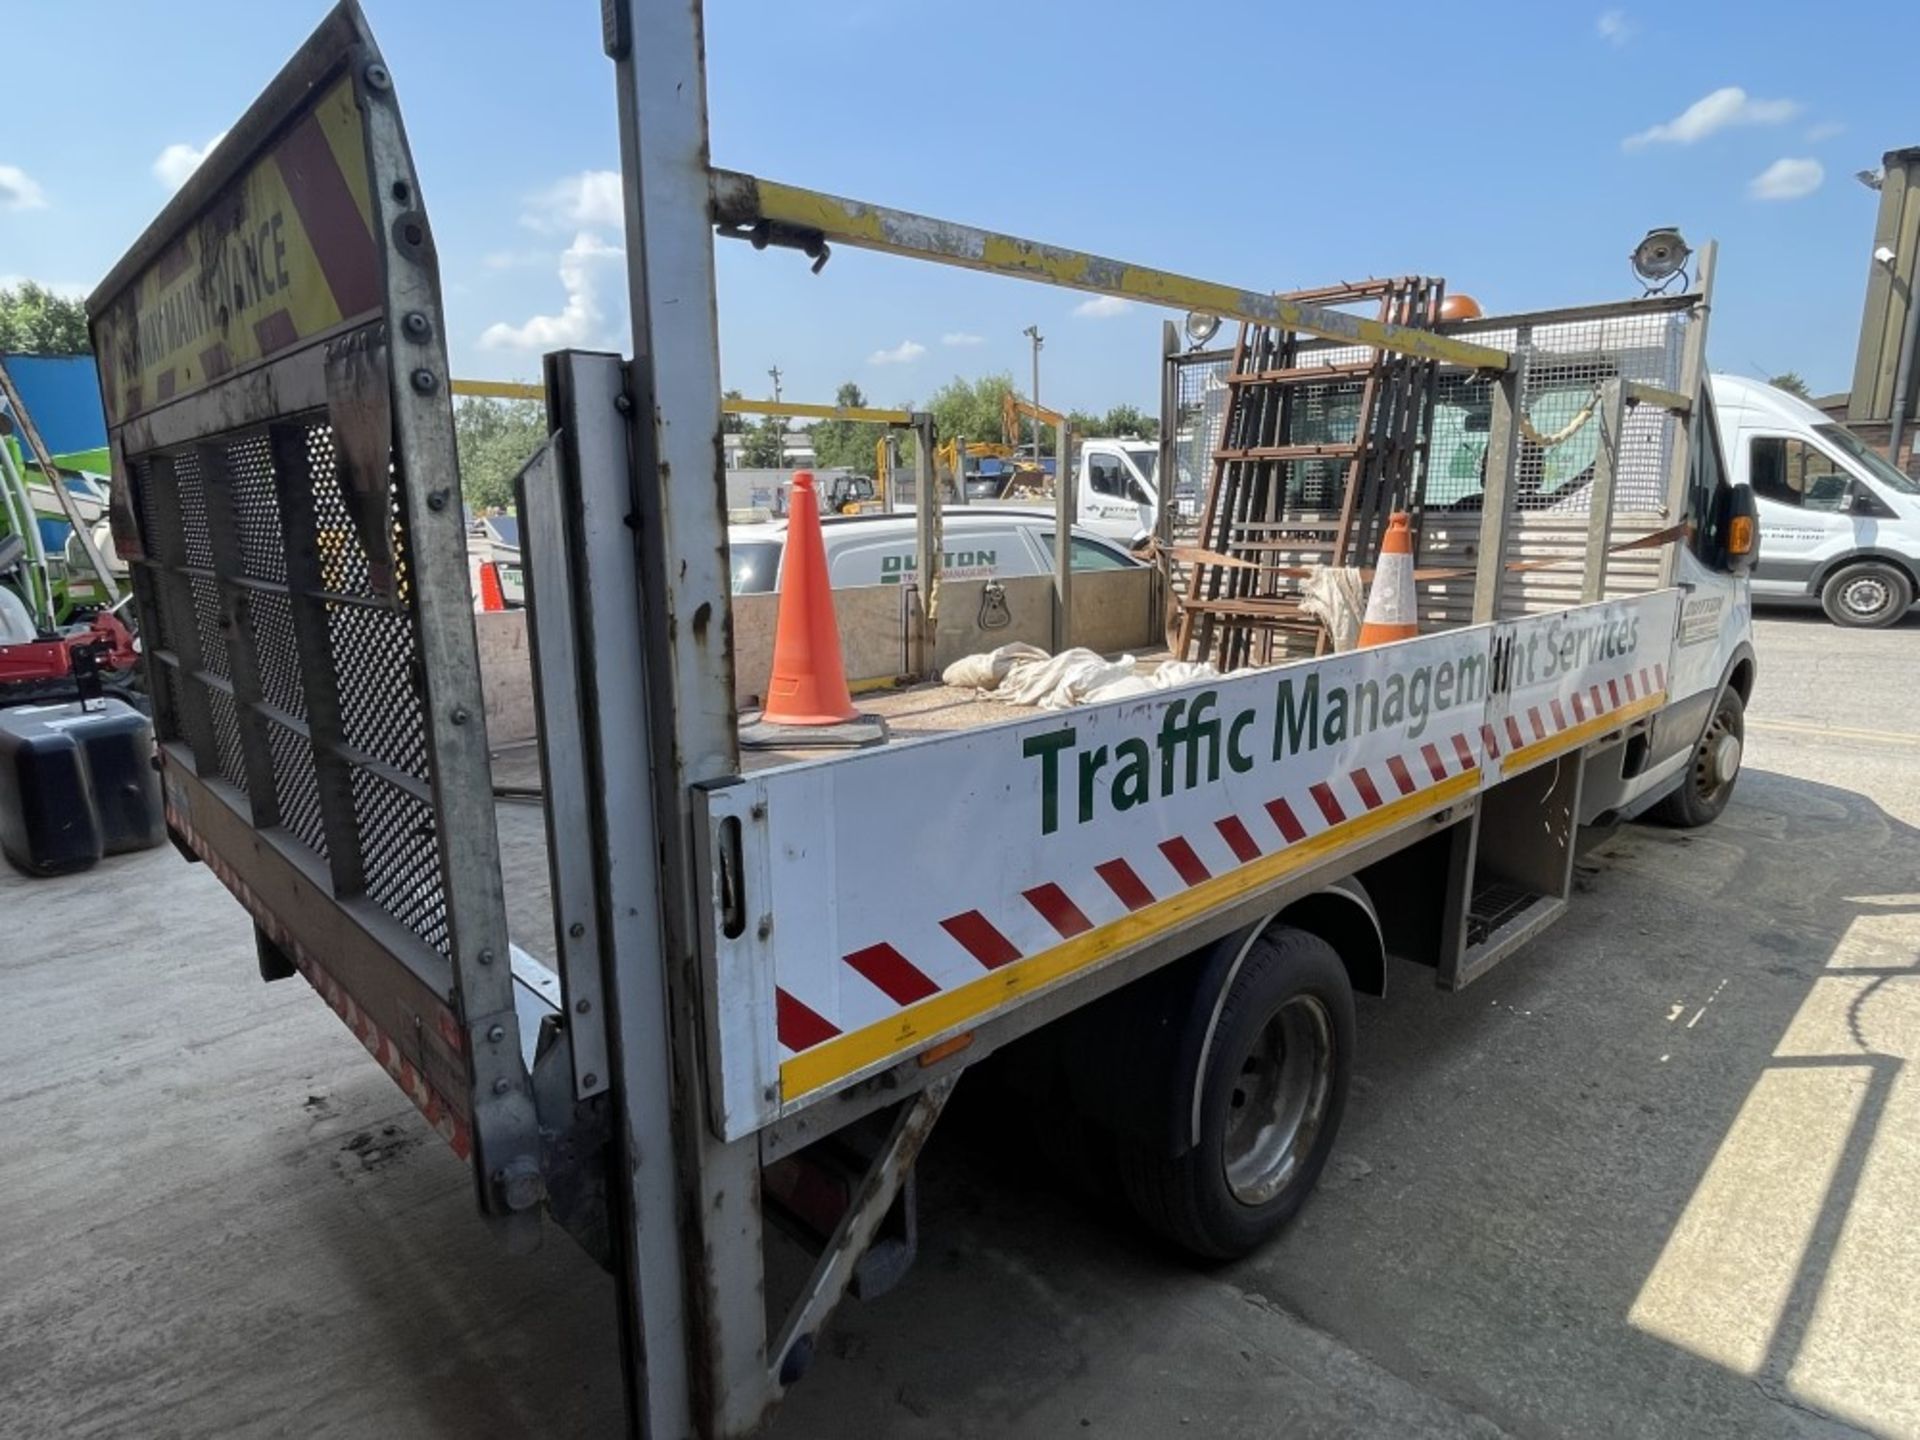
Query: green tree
[
  {"x": 493, "y": 439},
  {"x": 35, "y": 321},
  {"x": 765, "y": 447},
  {"x": 970, "y": 408},
  {"x": 1130, "y": 420},
  {"x": 847, "y": 444},
  {"x": 731, "y": 424},
  {"x": 1119, "y": 422},
  {"x": 1791, "y": 382}
]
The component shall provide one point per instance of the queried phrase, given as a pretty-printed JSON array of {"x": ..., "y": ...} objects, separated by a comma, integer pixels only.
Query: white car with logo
[{"x": 977, "y": 542}]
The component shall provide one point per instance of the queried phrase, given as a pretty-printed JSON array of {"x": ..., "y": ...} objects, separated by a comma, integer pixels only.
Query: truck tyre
[
  {"x": 1710, "y": 777},
  {"x": 1867, "y": 596},
  {"x": 1273, "y": 1085}
]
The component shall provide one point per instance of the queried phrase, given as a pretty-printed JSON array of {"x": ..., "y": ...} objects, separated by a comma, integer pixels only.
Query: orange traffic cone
[
  {"x": 492, "y": 597},
  {"x": 808, "y": 702},
  {"x": 1390, "y": 612}
]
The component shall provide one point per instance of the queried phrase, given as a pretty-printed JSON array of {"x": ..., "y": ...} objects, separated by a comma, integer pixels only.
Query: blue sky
[{"x": 1519, "y": 150}]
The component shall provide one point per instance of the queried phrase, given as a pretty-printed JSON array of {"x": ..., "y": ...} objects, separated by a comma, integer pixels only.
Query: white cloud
[
  {"x": 19, "y": 190},
  {"x": 591, "y": 198},
  {"x": 581, "y": 320},
  {"x": 1787, "y": 180},
  {"x": 515, "y": 259},
  {"x": 1725, "y": 107},
  {"x": 962, "y": 337},
  {"x": 905, "y": 353},
  {"x": 1102, "y": 307},
  {"x": 1615, "y": 28},
  {"x": 1825, "y": 130},
  {"x": 175, "y": 163}
]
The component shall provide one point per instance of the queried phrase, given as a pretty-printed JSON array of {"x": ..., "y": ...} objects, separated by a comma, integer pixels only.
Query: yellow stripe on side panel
[{"x": 1579, "y": 734}]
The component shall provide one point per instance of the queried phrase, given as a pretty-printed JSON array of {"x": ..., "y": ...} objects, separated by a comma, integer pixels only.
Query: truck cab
[
  {"x": 1118, "y": 488},
  {"x": 1839, "y": 524}
]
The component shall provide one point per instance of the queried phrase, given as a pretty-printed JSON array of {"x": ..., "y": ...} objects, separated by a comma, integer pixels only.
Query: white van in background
[
  {"x": 1839, "y": 524},
  {"x": 1117, "y": 490}
]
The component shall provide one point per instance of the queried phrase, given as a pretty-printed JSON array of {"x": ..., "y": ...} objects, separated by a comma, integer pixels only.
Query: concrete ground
[{"x": 1659, "y": 1174}]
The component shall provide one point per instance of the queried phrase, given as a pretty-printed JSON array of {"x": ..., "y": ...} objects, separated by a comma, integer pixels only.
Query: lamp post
[{"x": 1032, "y": 332}]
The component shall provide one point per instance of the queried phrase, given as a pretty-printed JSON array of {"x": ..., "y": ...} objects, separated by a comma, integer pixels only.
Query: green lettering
[
  {"x": 1366, "y": 701},
  {"x": 1293, "y": 725},
  {"x": 1172, "y": 734},
  {"x": 1090, "y": 763},
  {"x": 1395, "y": 710},
  {"x": 1239, "y": 759},
  {"x": 1334, "y": 731},
  {"x": 1473, "y": 679},
  {"x": 1203, "y": 732},
  {"x": 1417, "y": 698},
  {"x": 1048, "y": 748},
  {"x": 1130, "y": 783}
]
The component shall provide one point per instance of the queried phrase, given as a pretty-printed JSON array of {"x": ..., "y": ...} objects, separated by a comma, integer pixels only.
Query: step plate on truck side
[{"x": 286, "y": 496}]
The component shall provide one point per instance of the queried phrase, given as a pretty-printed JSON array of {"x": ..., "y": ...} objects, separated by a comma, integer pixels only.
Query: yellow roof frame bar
[
  {"x": 521, "y": 390},
  {"x": 743, "y": 203}
]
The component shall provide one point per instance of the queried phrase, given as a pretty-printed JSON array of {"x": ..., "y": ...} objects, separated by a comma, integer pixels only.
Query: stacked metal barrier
[{"x": 1316, "y": 451}]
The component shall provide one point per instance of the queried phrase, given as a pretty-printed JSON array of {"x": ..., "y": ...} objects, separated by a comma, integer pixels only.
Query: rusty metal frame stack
[{"x": 1285, "y": 494}]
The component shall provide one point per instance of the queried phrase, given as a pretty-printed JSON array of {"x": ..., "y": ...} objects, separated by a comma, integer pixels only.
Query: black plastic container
[{"x": 76, "y": 784}]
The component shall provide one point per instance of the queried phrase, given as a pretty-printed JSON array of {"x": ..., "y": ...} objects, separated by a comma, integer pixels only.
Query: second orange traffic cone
[
  {"x": 492, "y": 597},
  {"x": 808, "y": 702},
  {"x": 1390, "y": 604}
]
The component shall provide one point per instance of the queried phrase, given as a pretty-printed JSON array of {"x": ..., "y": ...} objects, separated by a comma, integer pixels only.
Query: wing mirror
[{"x": 1743, "y": 530}]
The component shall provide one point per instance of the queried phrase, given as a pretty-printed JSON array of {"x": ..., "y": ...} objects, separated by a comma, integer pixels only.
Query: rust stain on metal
[{"x": 701, "y": 618}]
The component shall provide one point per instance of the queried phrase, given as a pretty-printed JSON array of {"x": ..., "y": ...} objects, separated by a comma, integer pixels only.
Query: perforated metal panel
[
  {"x": 1564, "y": 365},
  {"x": 299, "y": 571},
  {"x": 340, "y": 696}
]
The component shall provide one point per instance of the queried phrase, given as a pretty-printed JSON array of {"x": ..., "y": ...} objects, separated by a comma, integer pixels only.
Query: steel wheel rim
[
  {"x": 1865, "y": 597},
  {"x": 1278, "y": 1102},
  {"x": 1709, "y": 778}
]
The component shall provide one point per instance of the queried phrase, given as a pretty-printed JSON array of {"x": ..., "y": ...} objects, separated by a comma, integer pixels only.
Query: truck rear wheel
[
  {"x": 1867, "y": 596},
  {"x": 1272, "y": 1087}
]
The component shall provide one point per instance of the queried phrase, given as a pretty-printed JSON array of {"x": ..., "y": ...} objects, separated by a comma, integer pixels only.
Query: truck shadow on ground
[
  {"x": 1641, "y": 1180},
  {"x": 1652, "y": 1176}
]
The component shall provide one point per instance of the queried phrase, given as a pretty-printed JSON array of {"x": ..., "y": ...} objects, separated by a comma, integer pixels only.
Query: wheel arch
[
  {"x": 1130, "y": 1064},
  {"x": 1741, "y": 670},
  {"x": 1905, "y": 564},
  {"x": 1343, "y": 915}
]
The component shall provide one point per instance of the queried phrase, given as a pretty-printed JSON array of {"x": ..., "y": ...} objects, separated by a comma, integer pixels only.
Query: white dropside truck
[
  {"x": 1118, "y": 492},
  {"x": 745, "y": 987}
]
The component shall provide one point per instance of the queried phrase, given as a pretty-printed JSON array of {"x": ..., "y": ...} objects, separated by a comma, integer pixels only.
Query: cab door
[
  {"x": 1109, "y": 494},
  {"x": 1807, "y": 515}
]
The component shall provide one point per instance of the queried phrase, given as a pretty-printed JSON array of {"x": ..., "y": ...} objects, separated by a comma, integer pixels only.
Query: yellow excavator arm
[{"x": 1013, "y": 410}]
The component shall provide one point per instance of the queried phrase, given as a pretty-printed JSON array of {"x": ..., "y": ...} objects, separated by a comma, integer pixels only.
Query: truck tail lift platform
[{"x": 742, "y": 998}]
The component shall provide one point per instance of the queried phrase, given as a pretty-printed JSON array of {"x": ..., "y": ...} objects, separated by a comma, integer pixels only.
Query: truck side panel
[{"x": 1070, "y": 840}]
